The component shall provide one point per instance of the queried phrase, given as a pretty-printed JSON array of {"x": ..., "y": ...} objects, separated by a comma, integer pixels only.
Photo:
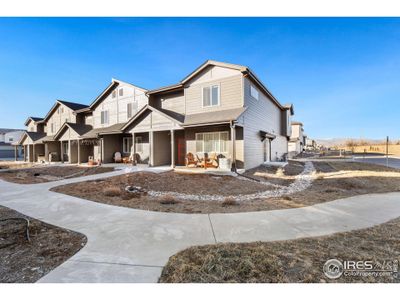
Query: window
[
  {"x": 52, "y": 128},
  {"x": 10, "y": 139},
  {"x": 212, "y": 142},
  {"x": 129, "y": 110},
  {"x": 104, "y": 117},
  {"x": 253, "y": 92},
  {"x": 126, "y": 144},
  {"x": 114, "y": 94},
  {"x": 211, "y": 96},
  {"x": 139, "y": 144},
  {"x": 121, "y": 91},
  {"x": 66, "y": 120},
  {"x": 62, "y": 109}
]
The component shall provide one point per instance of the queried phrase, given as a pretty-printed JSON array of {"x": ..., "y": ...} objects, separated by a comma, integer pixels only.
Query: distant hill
[{"x": 342, "y": 141}]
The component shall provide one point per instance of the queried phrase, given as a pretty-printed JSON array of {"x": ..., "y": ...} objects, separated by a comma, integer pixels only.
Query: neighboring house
[
  {"x": 310, "y": 144},
  {"x": 73, "y": 132},
  {"x": 297, "y": 139},
  {"x": 219, "y": 107},
  {"x": 8, "y": 137}
]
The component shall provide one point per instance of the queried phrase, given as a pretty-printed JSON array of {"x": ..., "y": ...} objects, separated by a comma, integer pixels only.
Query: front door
[{"x": 181, "y": 150}]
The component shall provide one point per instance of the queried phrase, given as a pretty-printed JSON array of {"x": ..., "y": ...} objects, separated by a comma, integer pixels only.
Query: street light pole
[{"x": 387, "y": 151}]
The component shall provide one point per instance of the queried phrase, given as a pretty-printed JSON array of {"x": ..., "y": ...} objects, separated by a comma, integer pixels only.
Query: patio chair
[
  {"x": 117, "y": 157},
  {"x": 210, "y": 161},
  {"x": 190, "y": 160}
]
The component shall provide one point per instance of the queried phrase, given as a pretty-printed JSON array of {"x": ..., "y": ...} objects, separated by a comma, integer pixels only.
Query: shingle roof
[
  {"x": 213, "y": 117},
  {"x": 72, "y": 105},
  {"x": 7, "y": 130},
  {"x": 116, "y": 128}
]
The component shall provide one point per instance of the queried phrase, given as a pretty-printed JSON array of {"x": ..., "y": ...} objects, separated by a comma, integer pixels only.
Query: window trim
[
  {"x": 114, "y": 94},
  {"x": 123, "y": 144},
  {"x": 137, "y": 143},
  {"x": 219, "y": 139},
  {"x": 102, "y": 117},
  {"x": 202, "y": 95},
  {"x": 252, "y": 87}
]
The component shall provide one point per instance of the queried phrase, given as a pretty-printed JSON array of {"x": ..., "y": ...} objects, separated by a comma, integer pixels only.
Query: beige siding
[
  {"x": 117, "y": 107},
  {"x": 153, "y": 121},
  {"x": 68, "y": 135},
  {"x": 230, "y": 95},
  {"x": 31, "y": 126},
  {"x": 261, "y": 114},
  {"x": 172, "y": 101},
  {"x": 60, "y": 115}
]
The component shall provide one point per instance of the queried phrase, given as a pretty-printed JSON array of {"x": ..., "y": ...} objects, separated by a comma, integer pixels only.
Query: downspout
[{"x": 233, "y": 138}]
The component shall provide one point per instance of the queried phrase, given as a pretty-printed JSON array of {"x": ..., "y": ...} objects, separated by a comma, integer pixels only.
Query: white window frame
[
  {"x": 218, "y": 150},
  {"x": 254, "y": 92},
  {"x": 103, "y": 119},
  {"x": 126, "y": 144},
  {"x": 139, "y": 143},
  {"x": 114, "y": 94},
  {"x": 202, "y": 95},
  {"x": 121, "y": 92},
  {"x": 129, "y": 112}
]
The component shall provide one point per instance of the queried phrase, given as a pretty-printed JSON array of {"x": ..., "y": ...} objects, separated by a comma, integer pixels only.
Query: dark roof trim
[
  {"x": 33, "y": 119},
  {"x": 168, "y": 88}
]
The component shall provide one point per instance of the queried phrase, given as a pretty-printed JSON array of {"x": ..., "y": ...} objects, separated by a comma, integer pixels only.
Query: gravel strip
[{"x": 302, "y": 181}]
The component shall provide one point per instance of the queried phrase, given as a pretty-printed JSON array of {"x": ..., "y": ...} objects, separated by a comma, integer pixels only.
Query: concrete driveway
[{"x": 130, "y": 245}]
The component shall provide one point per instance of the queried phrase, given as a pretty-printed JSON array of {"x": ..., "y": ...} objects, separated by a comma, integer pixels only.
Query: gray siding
[{"x": 261, "y": 114}]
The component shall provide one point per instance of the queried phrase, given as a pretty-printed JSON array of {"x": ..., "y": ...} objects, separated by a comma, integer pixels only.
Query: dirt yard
[
  {"x": 39, "y": 174},
  {"x": 291, "y": 261},
  {"x": 334, "y": 180},
  {"x": 24, "y": 261},
  {"x": 14, "y": 165}
]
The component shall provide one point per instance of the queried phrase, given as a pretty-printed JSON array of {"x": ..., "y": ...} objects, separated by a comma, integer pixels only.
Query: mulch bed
[
  {"x": 49, "y": 173},
  {"x": 290, "y": 261},
  {"x": 24, "y": 261}
]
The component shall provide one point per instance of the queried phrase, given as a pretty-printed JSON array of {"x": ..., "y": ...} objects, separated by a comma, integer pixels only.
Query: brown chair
[{"x": 190, "y": 160}]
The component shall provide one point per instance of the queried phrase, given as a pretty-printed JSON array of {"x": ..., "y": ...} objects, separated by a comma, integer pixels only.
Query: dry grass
[
  {"x": 285, "y": 261},
  {"x": 22, "y": 261},
  {"x": 168, "y": 200},
  {"x": 40, "y": 174},
  {"x": 229, "y": 201},
  {"x": 112, "y": 191}
]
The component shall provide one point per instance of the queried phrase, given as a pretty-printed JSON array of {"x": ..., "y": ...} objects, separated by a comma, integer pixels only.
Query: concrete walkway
[{"x": 130, "y": 245}]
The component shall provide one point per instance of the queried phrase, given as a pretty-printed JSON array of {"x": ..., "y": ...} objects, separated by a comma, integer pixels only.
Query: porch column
[
  {"x": 233, "y": 139},
  {"x": 46, "y": 152},
  {"x": 33, "y": 153},
  {"x": 172, "y": 148},
  {"x": 151, "y": 142},
  {"x": 61, "y": 152},
  {"x": 134, "y": 162},
  {"x": 101, "y": 150},
  {"x": 24, "y": 148},
  {"x": 69, "y": 151},
  {"x": 16, "y": 152},
  {"x": 79, "y": 152}
]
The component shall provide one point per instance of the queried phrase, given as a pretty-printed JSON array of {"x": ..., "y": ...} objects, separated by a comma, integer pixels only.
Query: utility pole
[{"x": 387, "y": 151}]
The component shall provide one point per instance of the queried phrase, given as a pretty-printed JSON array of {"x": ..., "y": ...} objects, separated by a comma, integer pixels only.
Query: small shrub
[
  {"x": 286, "y": 198},
  {"x": 330, "y": 190},
  {"x": 229, "y": 201},
  {"x": 112, "y": 191},
  {"x": 168, "y": 200},
  {"x": 280, "y": 172}
]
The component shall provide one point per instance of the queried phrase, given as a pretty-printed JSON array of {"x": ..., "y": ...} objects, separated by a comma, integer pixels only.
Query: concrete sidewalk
[{"x": 130, "y": 245}]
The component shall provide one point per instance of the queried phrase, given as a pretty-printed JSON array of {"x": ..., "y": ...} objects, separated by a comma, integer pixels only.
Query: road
[{"x": 393, "y": 162}]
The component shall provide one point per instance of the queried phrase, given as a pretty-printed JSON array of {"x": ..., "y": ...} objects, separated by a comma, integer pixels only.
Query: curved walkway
[{"x": 130, "y": 245}]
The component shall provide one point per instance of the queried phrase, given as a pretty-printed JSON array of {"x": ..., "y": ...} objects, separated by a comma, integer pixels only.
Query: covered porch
[{"x": 186, "y": 141}]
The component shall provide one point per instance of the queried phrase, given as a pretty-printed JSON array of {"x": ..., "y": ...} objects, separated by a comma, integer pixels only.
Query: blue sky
[{"x": 342, "y": 75}]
